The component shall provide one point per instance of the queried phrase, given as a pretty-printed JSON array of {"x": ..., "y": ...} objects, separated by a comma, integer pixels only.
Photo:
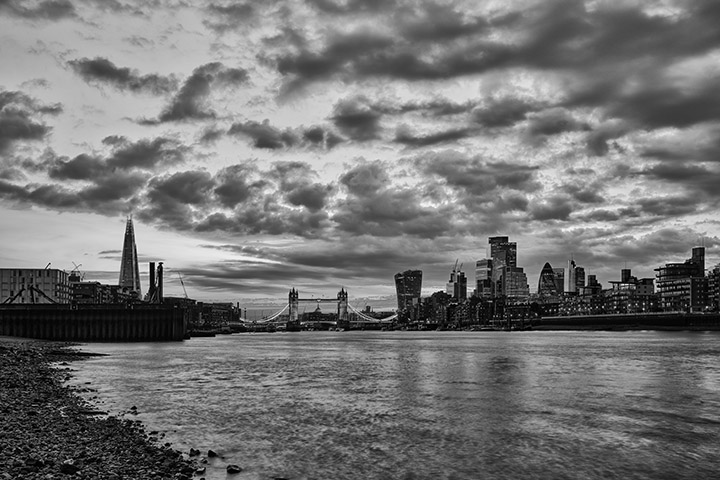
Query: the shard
[{"x": 129, "y": 272}]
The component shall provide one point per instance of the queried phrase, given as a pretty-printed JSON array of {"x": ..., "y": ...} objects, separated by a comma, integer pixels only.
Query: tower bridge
[{"x": 348, "y": 317}]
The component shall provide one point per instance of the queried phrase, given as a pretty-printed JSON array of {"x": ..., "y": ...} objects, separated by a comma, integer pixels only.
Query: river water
[{"x": 427, "y": 405}]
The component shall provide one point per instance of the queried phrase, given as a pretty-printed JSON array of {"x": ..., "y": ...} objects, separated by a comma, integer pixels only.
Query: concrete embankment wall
[
  {"x": 660, "y": 321},
  {"x": 100, "y": 323}
]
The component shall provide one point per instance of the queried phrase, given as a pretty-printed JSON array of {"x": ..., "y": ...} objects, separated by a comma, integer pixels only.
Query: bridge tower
[
  {"x": 343, "y": 320},
  {"x": 293, "y": 298}
]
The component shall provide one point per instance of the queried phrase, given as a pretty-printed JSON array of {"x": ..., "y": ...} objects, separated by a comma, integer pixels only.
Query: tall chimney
[
  {"x": 160, "y": 282},
  {"x": 151, "y": 289}
]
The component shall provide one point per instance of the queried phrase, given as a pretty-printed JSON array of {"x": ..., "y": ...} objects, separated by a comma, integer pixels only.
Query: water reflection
[{"x": 429, "y": 405}]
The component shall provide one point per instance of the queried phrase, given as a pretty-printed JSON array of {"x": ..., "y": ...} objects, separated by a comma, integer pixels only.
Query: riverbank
[{"x": 49, "y": 432}]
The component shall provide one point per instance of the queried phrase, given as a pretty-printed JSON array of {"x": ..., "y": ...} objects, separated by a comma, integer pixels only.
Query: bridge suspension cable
[
  {"x": 274, "y": 316},
  {"x": 368, "y": 318}
]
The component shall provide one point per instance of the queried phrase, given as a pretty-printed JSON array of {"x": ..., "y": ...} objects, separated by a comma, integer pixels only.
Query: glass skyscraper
[{"x": 129, "y": 271}]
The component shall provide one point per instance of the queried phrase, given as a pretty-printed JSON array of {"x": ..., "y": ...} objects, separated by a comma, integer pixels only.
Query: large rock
[{"x": 233, "y": 469}]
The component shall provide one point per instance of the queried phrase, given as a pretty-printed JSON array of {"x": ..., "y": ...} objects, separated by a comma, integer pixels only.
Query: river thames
[{"x": 427, "y": 405}]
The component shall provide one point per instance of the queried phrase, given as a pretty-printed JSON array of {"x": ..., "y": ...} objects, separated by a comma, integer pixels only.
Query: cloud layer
[{"x": 374, "y": 136}]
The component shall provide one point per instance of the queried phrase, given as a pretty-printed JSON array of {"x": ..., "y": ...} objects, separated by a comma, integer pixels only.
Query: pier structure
[{"x": 90, "y": 323}]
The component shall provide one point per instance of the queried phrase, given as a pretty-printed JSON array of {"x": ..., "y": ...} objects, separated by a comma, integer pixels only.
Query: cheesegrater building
[{"x": 129, "y": 271}]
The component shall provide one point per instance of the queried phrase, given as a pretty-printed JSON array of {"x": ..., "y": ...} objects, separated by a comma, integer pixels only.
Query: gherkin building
[{"x": 547, "y": 286}]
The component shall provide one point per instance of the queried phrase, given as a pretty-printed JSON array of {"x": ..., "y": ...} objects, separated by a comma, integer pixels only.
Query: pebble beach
[{"x": 47, "y": 431}]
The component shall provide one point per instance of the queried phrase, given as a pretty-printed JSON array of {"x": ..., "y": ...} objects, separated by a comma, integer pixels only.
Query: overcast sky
[{"x": 316, "y": 144}]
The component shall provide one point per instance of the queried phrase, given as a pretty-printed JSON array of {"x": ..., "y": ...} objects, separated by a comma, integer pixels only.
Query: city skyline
[{"x": 325, "y": 144}]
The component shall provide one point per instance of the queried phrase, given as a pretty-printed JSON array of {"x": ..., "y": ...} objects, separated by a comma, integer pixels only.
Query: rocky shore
[{"x": 48, "y": 432}]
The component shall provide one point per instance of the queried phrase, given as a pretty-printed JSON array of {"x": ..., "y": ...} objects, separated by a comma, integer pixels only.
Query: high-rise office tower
[
  {"x": 457, "y": 286},
  {"x": 408, "y": 286},
  {"x": 559, "y": 279},
  {"x": 503, "y": 254},
  {"x": 579, "y": 279},
  {"x": 570, "y": 279},
  {"x": 483, "y": 278},
  {"x": 129, "y": 271}
]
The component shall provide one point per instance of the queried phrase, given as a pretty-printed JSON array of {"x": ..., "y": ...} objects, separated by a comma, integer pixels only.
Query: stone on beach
[{"x": 49, "y": 432}]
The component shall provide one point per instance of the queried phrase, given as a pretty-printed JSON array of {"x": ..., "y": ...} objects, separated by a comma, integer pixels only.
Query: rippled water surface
[{"x": 439, "y": 405}]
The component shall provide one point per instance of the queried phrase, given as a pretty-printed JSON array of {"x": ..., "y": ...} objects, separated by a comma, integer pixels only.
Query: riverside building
[
  {"x": 683, "y": 287},
  {"x": 30, "y": 285}
]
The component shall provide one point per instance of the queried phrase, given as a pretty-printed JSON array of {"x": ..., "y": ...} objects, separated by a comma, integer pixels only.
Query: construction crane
[
  {"x": 182, "y": 283},
  {"x": 77, "y": 271}
]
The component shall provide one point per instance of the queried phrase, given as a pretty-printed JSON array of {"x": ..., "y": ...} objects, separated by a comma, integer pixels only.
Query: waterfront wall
[
  {"x": 669, "y": 321},
  {"x": 99, "y": 323}
]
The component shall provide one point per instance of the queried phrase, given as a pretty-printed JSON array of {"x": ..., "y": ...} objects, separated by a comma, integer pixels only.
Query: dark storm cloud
[
  {"x": 18, "y": 119},
  {"x": 112, "y": 188},
  {"x": 17, "y": 125},
  {"x": 668, "y": 206},
  {"x": 172, "y": 200},
  {"x": 266, "y": 216},
  {"x": 105, "y": 195},
  {"x": 585, "y": 192},
  {"x": 440, "y": 22},
  {"x": 354, "y": 256},
  {"x": 374, "y": 207},
  {"x": 237, "y": 183},
  {"x": 405, "y": 137},
  {"x": 366, "y": 178},
  {"x": 211, "y": 134},
  {"x": 695, "y": 178},
  {"x": 599, "y": 53},
  {"x": 686, "y": 147},
  {"x": 43, "y": 10},
  {"x": 438, "y": 107},
  {"x": 229, "y": 17},
  {"x": 82, "y": 167},
  {"x": 298, "y": 190},
  {"x": 321, "y": 137},
  {"x": 553, "y": 208},
  {"x": 264, "y": 279},
  {"x": 190, "y": 102},
  {"x": 146, "y": 154},
  {"x": 351, "y": 6},
  {"x": 553, "y": 122},
  {"x": 661, "y": 104},
  {"x": 393, "y": 212},
  {"x": 663, "y": 246},
  {"x": 357, "y": 118},
  {"x": 475, "y": 176},
  {"x": 265, "y": 135},
  {"x": 191, "y": 187},
  {"x": 503, "y": 112},
  {"x": 597, "y": 140},
  {"x": 102, "y": 70},
  {"x": 282, "y": 200},
  {"x": 103, "y": 184}
]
